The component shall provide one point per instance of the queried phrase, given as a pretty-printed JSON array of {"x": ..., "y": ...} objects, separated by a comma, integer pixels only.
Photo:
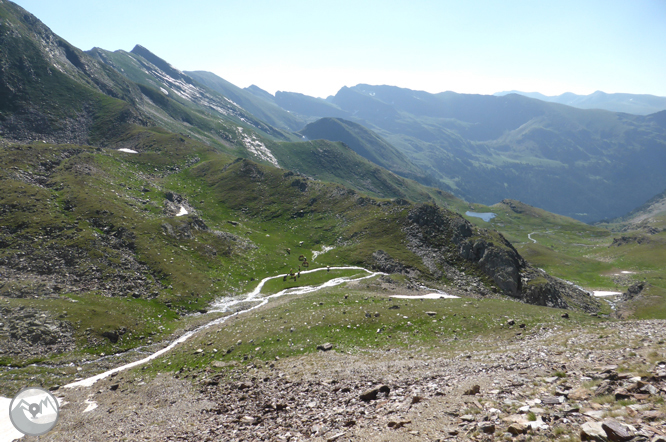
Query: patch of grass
[{"x": 606, "y": 399}]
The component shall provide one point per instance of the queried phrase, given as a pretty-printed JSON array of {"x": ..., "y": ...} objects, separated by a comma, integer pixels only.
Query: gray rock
[
  {"x": 593, "y": 431},
  {"x": 487, "y": 427},
  {"x": 325, "y": 347},
  {"x": 604, "y": 388},
  {"x": 371, "y": 394},
  {"x": 472, "y": 391},
  {"x": 616, "y": 431},
  {"x": 517, "y": 428},
  {"x": 649, "y": 389}
]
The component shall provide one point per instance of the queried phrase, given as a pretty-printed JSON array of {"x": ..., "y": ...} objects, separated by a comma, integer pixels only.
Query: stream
[{"x": 7, "y": 431}]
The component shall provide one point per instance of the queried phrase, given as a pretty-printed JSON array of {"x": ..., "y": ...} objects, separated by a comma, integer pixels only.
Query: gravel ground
[{"x": 543, "y": 385}]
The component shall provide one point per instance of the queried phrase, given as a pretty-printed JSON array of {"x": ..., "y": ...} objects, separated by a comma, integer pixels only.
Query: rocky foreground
[{"x": 606, "y": 382}]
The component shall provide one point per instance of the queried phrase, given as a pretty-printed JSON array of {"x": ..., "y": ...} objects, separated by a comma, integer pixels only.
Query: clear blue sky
[{"x": 316, "y": 47}]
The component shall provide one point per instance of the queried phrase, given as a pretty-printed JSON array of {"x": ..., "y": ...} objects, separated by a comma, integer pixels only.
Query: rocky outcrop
[
  {"x": 173, "y": 203},
  {"x": 384, "y": 263},
  {"x": 624, "y": 240},
  {"x": 446, "y": 242},
  {"x": 633, "y": 291},
  {"x": 501, "y": 265}
]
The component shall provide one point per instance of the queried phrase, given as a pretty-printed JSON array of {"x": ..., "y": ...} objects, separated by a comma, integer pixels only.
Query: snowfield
[{"x": 256, "y": 147}]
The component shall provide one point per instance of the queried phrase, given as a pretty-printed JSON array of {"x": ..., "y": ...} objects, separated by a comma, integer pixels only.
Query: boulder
[
  {"x": 579, "y": 394},
  {"x": 474, "y": 390},
  {"x": 592, "y": 431},
  {"x": 516, "y": 428},
  {"x": 371, "y": 394},
  {"x": 616, "y": 431},
  {"x": 604, "y": 389},
  {"x": 487, "y": 427}
]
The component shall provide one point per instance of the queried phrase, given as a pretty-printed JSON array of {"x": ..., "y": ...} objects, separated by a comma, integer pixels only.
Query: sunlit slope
[
  {"x": 336, "y": 162},
  {"x": 594, "y": 257},
  {"x": 178, "y": 224},
  {"x": 260, "y": 108}
]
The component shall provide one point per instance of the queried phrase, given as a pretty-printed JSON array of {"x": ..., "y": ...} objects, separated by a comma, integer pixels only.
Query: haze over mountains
[{"x": 629, "y": 103}]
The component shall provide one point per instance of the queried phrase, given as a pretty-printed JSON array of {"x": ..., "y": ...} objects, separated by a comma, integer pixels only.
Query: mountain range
[
  {"x": 639, "y": 104},
  {"x": 586, "y": 164}
]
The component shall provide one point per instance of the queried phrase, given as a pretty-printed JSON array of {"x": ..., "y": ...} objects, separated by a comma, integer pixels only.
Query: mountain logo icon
[{"x": 34, "y": 411}]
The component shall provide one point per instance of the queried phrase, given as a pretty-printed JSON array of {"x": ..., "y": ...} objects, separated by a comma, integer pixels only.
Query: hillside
[
  {"x": 54, "y": 92},
  {"x": 365, "y": 143},
  {"x": 652, "y": 212},
  {"x": 307, "y": 107},
  {"x": 196, "y": 104},
  {"x": 104, "y": 228},
  {"x": 258, "y": 107},
  {"x": 338, "y": 163}
]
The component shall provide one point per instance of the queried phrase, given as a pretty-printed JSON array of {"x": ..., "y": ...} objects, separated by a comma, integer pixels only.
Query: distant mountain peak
[
  {"x": 157, "y": 61},
  {"x": 257, "y": 89}
]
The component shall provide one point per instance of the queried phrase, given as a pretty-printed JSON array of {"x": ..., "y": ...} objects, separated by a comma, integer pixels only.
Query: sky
[{"x": 316, "y": 47}]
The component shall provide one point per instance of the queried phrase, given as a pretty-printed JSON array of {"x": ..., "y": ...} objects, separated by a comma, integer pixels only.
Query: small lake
[{"x": 484, "y": 216}]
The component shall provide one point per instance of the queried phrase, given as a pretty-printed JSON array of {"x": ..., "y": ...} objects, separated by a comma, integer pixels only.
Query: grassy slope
[
  {"x": 30, "y": 84},
  {"x": 365, "y": 143},
  {"x": 338, "y": 316},
  {"x": 105, "y": 210},
  {"x": 335, "y": 162}
]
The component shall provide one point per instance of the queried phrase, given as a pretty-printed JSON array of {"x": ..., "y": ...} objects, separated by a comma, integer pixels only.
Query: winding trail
[
  {"x": 225, "y": 305},
  {"x": 529, "y": 235}
]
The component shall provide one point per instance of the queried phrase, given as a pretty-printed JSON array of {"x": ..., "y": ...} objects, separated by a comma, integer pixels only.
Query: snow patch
[
  {"x": 440, "y": 295},
  {"x": 122, "y": 149},
  {"x": 91, "y": 405},
  {"x": 324, "y": 249},
  {"x": 256, "y": 147},
  {"x": 7, "y": 430},
  {"x": 603, "y": 293},
  {"x": 182, "y": 212}
]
